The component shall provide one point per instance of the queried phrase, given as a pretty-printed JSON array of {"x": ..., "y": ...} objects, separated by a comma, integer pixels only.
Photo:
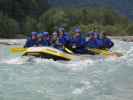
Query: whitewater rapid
[{"x": 92, "y": 78}]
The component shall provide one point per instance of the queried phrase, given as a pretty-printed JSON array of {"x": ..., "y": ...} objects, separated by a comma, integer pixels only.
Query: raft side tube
[{"x": 48, "y": 53}]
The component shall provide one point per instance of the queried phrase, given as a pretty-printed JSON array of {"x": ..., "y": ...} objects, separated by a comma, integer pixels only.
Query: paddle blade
[
  {"x": 18, "y": 50},
  {"x": 68, "y": 51},
  {"x": 100, "y": 52}
]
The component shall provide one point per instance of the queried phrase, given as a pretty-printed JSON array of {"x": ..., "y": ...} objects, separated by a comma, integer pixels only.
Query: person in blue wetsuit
[
  {"x": 63, "y": 39},
  {"x": 99, "y": 40},
  {"x": 78, "y": 42},
  {"x": 93, "y": 42},
  {"x": 107, "y": 43},
  {"x": 46, "y": 39},
  {"x": 40, "y": 41},
  {"x": 31, "y": 41},
  {"x": 54, "y": 39}
]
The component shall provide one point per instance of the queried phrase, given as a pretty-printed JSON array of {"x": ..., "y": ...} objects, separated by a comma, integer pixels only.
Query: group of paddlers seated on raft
[{"x": 76, "y": 43}]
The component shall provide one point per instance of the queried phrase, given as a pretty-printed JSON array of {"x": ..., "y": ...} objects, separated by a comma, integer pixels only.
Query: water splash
[{"x": 92, "y": 78}]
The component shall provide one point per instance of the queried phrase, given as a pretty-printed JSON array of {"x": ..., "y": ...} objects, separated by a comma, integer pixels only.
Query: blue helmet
[
  {"x": 45, "y": 33},
  {"x": 39, "y": 34},
  {"x": 92, "y": 33},
  {"x": 33, "y": 33},
  {"x": 77, "y": 30}
]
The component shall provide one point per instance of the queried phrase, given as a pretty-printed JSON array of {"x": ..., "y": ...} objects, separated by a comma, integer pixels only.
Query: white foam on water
[
  {"x": 14, "y": 61},
  {"x": 91, "y": 78}
]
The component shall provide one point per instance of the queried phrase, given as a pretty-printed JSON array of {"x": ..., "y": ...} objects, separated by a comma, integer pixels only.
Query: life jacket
[
  {"x": 64, "y": 40},
  {"x": 78, "y": 41},
  {"x": 93, "y": 43},
  {"x": 30, "y": 43},
  {"x": 107, "y": 43},
  {"x": 79, "y": 44}
]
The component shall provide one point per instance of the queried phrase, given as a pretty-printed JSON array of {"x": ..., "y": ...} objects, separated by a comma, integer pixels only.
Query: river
[{"x": 88, "y": 79}]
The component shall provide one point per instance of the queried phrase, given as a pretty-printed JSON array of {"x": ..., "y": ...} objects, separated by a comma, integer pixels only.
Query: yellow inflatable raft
[
  {"x": 48, "y": 53},
  {"x": 52, "y": 53}
]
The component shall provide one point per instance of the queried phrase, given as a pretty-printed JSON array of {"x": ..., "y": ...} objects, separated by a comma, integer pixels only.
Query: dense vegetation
[
  {"x": 20, "y": 17},
  {"x": 15, "y": 13},
  {"x": 89, "y": 19},
  {"x": 123, "y": 6}
]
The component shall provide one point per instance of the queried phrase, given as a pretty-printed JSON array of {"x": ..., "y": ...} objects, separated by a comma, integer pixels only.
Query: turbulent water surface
[{"x": 88, "y": 79}]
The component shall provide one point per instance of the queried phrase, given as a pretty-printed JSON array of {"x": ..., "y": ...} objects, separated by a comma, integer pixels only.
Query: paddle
[
  {"x": 18, "y": 50},
  {"x": 106, "y": 53},
  {"x": 100, "y": 51},
  {"x": 68, "y": 50}
]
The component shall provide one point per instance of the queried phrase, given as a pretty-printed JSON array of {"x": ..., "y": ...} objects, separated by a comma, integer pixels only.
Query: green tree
[
  {"x": 54, "y": 18},
  {"x": 8, "y": 27},
  {"x": 30, "y": 25},
  {"x": 129, "y": 29}
]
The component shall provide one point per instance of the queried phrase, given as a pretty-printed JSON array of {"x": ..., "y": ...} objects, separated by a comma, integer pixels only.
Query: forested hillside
[
  {"x": 20, "y": 8},
  {"x": 16, "y": 14},
  {"x": 19, "y": 18},
  {"x": 123, "y": 6}
]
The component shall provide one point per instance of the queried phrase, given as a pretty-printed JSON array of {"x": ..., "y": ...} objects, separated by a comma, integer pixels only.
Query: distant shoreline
[{"x": 6, "y": 41}]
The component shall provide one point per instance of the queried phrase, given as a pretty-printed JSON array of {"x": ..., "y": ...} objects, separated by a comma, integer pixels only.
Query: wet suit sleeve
[
  {"x": 109, "y": 44},
  {"x": 82, "y": 43},
  {"x": 67, "y": 41}
]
